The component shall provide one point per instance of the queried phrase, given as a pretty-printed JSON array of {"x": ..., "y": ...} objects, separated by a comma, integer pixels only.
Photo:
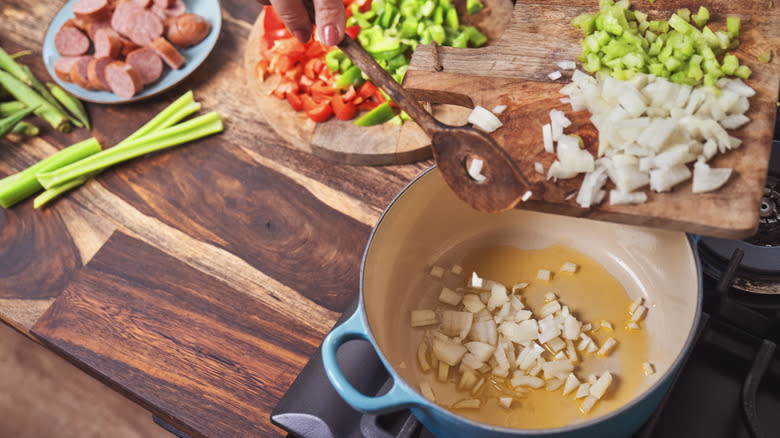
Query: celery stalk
[
  {"x": 17, "y": 187},
  {"x": 165, "y": 115},
  {"x": 184, "y": 132}
]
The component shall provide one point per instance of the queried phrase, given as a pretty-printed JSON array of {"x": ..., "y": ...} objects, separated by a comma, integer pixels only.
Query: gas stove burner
[
  {"x": 759, "y": 271},
  {"x": 769, "y": 216}
]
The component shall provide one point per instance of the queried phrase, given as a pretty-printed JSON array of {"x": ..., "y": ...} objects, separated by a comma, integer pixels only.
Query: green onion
[
  {"x": 71, "y": 103},
  {"x": 17, "y": 187},
  {"x": 8, "y": 108}
]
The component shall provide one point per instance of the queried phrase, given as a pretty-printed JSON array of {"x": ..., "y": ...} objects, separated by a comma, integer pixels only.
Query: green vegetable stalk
[
  {"x": 20, "y": 186},
  {"x": 184, "y": 132},
  {"x": 71, "y": 103},
  {"x": 29, "y": 97},
  {"x": 25, "y": 129},
  {"x": 8, "y": 123},
  {"x": 8, "y": 108}
]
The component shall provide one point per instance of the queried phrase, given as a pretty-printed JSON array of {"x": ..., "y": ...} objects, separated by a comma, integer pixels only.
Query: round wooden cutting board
[{"x": 343, "y": 142}]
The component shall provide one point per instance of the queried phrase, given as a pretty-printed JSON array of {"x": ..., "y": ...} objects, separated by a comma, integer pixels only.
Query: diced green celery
[
  {"x": 681, "y": 77},
  {"x": 617, "y": 49},
  {"x": 666, "y": 53},
  {"x": 659, "y": 26},
  {"x": 732, "y": 26},
  {"x": 723, "y": 39},
  {"x": 614, "y": 64},
  {"x": 672, "y": 64},
  {"x": 473, "y": 6},
  {"x": 765, "y": 57},
  {"x": 730, "y": 64},
  {"x": 712, "y": 67},
  {"x": 696, "y": 59},
  {"x": 586, "y": 22},
  {"x": 685, "y": 14},
  {"x": 658, "y": 69},
  {"x": 707, "y": 53},
  {"x": 633, "y": 60},
  {"x": 650, "y": 37},
  {"x": 461, "y": 40},
  {"x": 695, "y": 72},
  {"x": 593, "y": 63},
  {"x": 677, "y": 23},
  {"x": 743, "y": 72},
  {"x": 710, "y": 37},
  {"x": 611, "y": 24},
  {"x": 701, "y": 17},
  {"x": 656, "y": 47}
]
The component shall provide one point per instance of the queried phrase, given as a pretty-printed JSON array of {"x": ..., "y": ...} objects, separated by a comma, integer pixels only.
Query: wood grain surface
[
  {"x": 196, "y": 281},
  {"x": 513, "y": 72},
  {"x": 341, "y": 141}
]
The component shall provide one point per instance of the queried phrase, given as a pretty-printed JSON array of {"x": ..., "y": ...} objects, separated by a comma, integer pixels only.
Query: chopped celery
[
  {"x": 730, "y": 64},
  {"x": 586, "y": 22},
  {"x": 743, "y": 72},
  {"x": 733, "y": 25},
  {"x": 765, "y": 57},
  {"x": 701, "y": 17},
  {"x": 685, "y": 14}
]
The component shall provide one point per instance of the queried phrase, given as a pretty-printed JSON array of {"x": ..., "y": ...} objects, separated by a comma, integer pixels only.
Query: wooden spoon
[{"x": 453, "y": 146}]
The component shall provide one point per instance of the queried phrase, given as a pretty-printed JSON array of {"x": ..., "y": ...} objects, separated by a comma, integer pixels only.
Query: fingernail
[
  {"x": 301, "y": 36},
  {"x": 330, "y": 35}
]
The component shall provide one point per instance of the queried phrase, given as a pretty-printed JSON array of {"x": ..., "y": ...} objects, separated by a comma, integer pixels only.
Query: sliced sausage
[
  {"x": 91, "y": 10},
  {"x": 79, "y": 72},
  {"x": 122, "y": 14},
  {"x": 176, "y": 8},
  {"x": 94, "y": 26},
  {"x": 168, "y": 53},
  {"x": 123, "y": 79},
  {"x": 147, "y": 62},
  {"x": 108, "y": 43},
  {"x": 127, "y": 46},
  {"x": 70, "y": 41},
  {"x": 144, "y": 27},
  {"x": 187, "y": 30},
  {"x": 96, "y": 73},
  {"x": 62, "y": 67}
]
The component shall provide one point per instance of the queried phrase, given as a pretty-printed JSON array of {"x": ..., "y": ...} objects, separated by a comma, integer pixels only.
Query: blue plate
[{"x": 195, "y": 55}]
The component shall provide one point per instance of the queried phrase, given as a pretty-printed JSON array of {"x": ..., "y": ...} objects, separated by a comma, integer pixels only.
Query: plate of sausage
[{"x": 108, "y": 51}]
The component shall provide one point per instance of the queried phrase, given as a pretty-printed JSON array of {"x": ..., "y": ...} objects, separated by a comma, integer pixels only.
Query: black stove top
[{"x": 729, "y": 386}]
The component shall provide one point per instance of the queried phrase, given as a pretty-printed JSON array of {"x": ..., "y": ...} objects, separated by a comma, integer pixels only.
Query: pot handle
[{"x": 398, "y": 397}]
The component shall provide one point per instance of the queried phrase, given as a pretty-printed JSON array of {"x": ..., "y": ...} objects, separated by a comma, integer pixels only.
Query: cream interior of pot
[{"x": 427, "y": 224}]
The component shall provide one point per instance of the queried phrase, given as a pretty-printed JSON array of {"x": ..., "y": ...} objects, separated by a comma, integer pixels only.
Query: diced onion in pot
[
  {"x": 468, "y": 403},
  {"x": 423, "y": 317},
  {"x": 569, "y": 267},
  {"x": 449, "y": 296},
  {"x": 543, "y": 274},
  {"x": 648, "y": 369},
  {"x": 505, "y": 402},
  {"x": 427, "y": 391}
]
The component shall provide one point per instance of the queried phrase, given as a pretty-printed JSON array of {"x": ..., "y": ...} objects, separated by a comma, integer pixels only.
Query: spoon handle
[{"x": 383, "y": 80}]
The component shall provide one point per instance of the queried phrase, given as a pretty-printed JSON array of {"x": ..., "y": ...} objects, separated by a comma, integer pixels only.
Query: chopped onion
[
  {"x": 498, "y": 297},
  {"x": 583, "y": 390},
  {"x": 571, "y": 384},
  {"x": 539, "y": 167},
  {"x": 518, "y": 287},
  {"x": 648, "y": 369},
  {"x": 554, "y": 384},
  {"x": 617, "y": 197},
  {"x": 639, "y": 313},
  {"x": 519, "y": 379},
  {"x": 448, "y": 352},
  {"x": 498, "y": 109},
  {"x": 707, "y": 179},
  {"x": 456, "y": 269},
  {"x": 607, "y": 347},
  {"x": 567, "y": 65},
  {"x": 556, "y": 344},
  {"x": 423, "y": 317},
  {"x": 467, "y": 403},
  {"x": 484, "y": 331},
  {"x": 481, "y": 350},
  {"x": 505, "y": 402},
  {"x": 437, "y": 271},
  {"x": 422, "y": 357},
  {"x": 547, "y": 137},
  {"x": 449, "y": 296},
  {"x": 484, "y": 119},
  {"x": 467, "y": 379},
  {"x": 632, "y": 325},
  {"x": 599, "y": 388},
  {"x": 427, "y": 391},
  {"x": 557, "y": 369},
  {"x": 587, "y": 404},
  {"x": 454, "y": 323},
  {"x": 520, "y": 333},
  {"x": 476, "y": 282},
  {"x": 569, "y": 267},
  {"x": 543, "y": 274},
  {"x": 527, "y": 195},
  {"x": 475, "y": 171},
  {"x": 472, "y": 303},
  {"x": 558, "y": 122},
  {"x": 662, "y": 180},
  {"x": 554, "y": 75}
]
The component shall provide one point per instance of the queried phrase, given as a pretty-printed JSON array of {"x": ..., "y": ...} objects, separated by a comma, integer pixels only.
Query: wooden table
[{"x": 197, "y": 281}]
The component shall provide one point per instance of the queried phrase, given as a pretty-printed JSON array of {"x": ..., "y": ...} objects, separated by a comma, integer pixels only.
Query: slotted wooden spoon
[{"x": 453, "y": 146}]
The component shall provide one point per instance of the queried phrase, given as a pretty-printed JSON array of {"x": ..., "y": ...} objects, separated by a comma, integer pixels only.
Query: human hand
[{"x": 329, "y": 17}]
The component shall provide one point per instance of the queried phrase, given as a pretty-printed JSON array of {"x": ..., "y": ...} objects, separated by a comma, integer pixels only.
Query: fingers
[
  {"x": 264, "y": 2},
  {"x": 295, "y": 17},
  {"x": 331, "y": 20}
]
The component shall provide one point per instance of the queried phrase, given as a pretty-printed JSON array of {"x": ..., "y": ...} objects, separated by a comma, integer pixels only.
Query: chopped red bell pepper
[
  {"x": 349, "y": 94},
  {"x": 352, "y": 31},
  {"x": 295, "y": 101},
  {"x": 285, "y": 86},
  {"x": 367, "y": 90},
  {"x": 341, "y": 109},
  {"x": 321, "y": 112}
]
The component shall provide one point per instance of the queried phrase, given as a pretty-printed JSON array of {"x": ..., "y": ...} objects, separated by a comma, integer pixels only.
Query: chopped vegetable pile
[
  {"x": 623, "y": 42},
  {"x": 323, "y": 82},
  {"x": 483, "y": 335}
]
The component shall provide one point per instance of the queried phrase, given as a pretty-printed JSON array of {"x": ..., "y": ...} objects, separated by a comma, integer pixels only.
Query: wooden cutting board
[
  {"x": 513, "y": 72},
  {"x": 341, "y": 141}
]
